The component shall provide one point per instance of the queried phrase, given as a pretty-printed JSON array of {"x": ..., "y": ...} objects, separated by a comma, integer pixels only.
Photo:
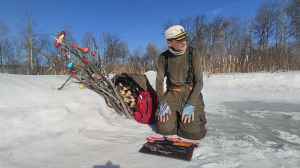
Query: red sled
[{"x": 146, "y": 107}]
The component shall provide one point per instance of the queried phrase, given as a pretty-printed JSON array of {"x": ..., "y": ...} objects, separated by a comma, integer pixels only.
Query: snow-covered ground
[{"x": 253, "y": 121}]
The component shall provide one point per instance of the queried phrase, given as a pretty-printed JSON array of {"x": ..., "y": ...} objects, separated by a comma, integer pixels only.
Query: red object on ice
[
  {"x": 83, "y": 50},
  {"x": 93, "y": 53},
  {"x": 63, "y": 50},
  {"x": 60, "y": 39}
]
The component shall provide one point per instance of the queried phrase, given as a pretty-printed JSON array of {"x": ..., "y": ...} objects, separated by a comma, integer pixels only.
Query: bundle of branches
[{"x": 94, "y": 76}]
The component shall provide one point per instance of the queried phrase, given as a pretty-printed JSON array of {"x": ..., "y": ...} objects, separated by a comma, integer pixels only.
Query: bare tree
[
  {"x": 167, "y": 24},
  {"x": 218, "y": 27},
  {"x": 232, "y": 33},
  {"x": 110, "y": 43},
  {"x": 136, "y": 59},
  {"x": 151, "y": 55},
  {"x": 189, "y": 27},
  {"x": 71, "y": 39},
  {"x": 293, "y": 12},
  {"x": 113, "y": 41},
  {"x": 201, "y": 35},
  {"x": 28, "y": 36},
  {"x": 250, "y": 25},
  {"x": 87, "y": 41},
  {"x": 1, "y": 59},
  {"x": 40, "y": 42},
  {"x": 16, "y": 57},
  {"x": 265, "y": 22},
  {"x": 103, "y": 43},
  {"x": 4, "y": 40},
  {"x": 123, "y": 51}
]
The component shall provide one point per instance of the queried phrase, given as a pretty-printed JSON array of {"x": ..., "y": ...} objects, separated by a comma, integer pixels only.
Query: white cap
[{"x": 175, "y": 32}]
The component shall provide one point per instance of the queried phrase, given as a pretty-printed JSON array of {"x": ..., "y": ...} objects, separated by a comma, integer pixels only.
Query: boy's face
[{"x": 177, "y": 45}]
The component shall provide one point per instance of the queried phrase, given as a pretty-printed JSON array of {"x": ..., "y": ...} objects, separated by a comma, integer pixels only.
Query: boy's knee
[
  {"x": 166, "y": 128},
  {"x": 194, "y": 135},
  {"x": 195, "y": 130}
]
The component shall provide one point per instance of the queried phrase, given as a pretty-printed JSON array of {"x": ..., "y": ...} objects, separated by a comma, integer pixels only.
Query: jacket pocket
[{"x": 203, "y": 118}]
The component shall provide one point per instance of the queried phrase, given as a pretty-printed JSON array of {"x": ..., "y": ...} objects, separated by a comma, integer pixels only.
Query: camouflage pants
[{"x": 174, "y": 126}]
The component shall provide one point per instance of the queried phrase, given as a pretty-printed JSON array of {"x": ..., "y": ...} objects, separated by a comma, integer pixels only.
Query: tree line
[{"x": 268, "y": 41}]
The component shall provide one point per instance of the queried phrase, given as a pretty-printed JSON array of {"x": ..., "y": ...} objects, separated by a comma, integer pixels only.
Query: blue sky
[{"x": 136, "y": 21}]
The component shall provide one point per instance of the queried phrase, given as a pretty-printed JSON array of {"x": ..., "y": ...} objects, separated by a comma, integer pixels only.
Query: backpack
[{"x": 146, "y": 107}]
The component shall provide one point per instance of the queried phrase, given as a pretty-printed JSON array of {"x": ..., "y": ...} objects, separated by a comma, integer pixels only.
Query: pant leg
[
  {"x": 196, "y": 129},
  {"x": 169, "y": 127}
]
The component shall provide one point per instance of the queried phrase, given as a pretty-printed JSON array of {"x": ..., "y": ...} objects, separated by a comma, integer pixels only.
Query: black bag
[{"x": 140, "y": 88}]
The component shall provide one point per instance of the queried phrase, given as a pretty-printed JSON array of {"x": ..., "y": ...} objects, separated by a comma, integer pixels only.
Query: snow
[{"x": 253, "y": 121}]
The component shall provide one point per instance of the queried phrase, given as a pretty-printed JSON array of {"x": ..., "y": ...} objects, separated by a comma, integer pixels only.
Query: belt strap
[
  {"x": 188, "y": 80},
  {"x": 178, "y": 89}
]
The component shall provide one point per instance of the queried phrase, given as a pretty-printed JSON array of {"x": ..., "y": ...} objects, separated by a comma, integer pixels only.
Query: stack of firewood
[{"x": 129, "y": 95}]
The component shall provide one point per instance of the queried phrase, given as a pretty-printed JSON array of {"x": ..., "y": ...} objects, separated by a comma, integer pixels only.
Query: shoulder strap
[
  {"x": 188, "y": 80},
  {"x": 166, "y": 63},
  {"x": 166, "y": 70}
]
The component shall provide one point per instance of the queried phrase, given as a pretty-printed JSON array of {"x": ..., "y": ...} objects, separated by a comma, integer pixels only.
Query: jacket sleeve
[
  {"x": 160, "y": 80},
  {"x": 198, "y": 79}
]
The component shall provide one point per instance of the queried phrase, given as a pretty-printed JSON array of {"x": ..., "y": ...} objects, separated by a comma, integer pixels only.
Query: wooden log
[
  {"x": 133, "y": 95},
  {"x": 126, "y": 100},
  {"x": 126, "y": 87},
  {"x": 122, "y": 92},
  {"x": 132, "y": 99},
  {"x": 128, "y": 93},
  {"x": 132, "y": 105}
]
